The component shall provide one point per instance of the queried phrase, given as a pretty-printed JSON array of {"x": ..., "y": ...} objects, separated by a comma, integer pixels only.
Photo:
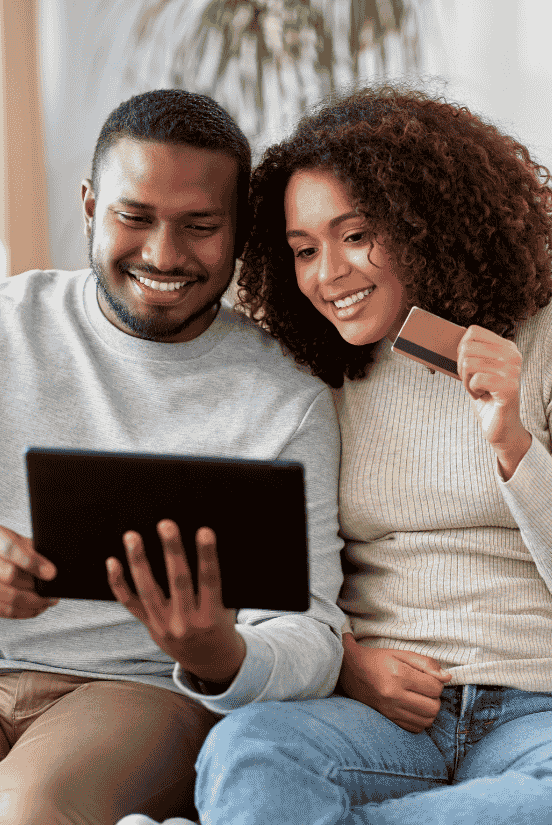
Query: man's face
[{"x": 166, "y": 214}]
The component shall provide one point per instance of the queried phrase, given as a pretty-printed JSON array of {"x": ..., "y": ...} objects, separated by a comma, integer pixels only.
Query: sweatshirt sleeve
[{"x": 296, "y": 655}]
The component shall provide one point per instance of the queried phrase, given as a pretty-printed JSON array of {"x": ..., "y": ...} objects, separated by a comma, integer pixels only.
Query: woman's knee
[
  {"x": 310, "y": 731},
  {"x": 261, "y": 722}
]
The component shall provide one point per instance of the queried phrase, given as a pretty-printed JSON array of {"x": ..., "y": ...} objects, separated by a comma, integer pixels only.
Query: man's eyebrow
[
  {"x": 299, "y": 233},
  {"x": 134, "y": 204},
  {"x": 192, "y": 213}
]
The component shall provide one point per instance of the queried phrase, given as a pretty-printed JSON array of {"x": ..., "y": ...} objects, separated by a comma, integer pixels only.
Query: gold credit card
[{"x": 430, "y": 341}]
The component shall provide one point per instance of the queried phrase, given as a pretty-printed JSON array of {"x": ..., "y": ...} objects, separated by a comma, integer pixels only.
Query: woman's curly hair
[{"x": 465, "y": 212}]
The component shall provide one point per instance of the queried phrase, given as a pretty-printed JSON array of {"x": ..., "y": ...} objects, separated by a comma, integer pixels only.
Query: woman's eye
[
  {"x": 356, "y": 236},
  {"x": 305, "y": 253}
]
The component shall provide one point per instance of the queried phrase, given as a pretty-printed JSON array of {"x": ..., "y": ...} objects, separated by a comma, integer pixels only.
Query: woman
[{"x": 386, "y": 200}]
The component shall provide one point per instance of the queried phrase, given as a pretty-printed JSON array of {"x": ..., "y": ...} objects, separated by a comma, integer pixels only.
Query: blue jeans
[{"x": 486, "y": 760}]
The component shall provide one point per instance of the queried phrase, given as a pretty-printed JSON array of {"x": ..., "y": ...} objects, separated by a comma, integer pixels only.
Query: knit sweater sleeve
[{"x": 528, "y": 493}]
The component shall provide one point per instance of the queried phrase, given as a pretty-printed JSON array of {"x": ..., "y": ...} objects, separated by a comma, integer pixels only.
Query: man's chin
[{"x": 157, "y": 328}]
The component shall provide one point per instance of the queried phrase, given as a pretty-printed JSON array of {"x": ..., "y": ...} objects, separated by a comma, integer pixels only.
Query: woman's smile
[{"x": 345, "y": 273}]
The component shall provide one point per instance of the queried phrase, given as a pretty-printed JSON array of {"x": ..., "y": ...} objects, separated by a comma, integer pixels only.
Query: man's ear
[{"x": 88, "y": 205}]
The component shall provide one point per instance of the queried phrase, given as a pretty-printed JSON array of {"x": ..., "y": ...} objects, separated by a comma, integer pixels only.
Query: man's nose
[{"x": 164, "y": 249}]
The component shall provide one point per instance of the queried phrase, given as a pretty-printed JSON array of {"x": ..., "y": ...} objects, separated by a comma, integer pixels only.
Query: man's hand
[
  {"x": 402, "y": 685},
  {"x": 19, "y": 563},
  {"x": 194, "y": 629}
]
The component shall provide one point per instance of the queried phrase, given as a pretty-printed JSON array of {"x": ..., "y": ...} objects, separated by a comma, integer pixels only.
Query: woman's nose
[{"x": 332, "y": 265}]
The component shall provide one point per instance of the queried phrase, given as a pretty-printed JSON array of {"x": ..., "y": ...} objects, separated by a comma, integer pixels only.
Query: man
[{"x": 103, "y": 709}]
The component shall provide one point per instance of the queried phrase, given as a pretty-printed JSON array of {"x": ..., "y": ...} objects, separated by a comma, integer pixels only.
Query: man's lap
[{"x": 97, "y": 749}]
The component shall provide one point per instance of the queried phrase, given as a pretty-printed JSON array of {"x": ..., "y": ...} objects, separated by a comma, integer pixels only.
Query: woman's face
[{"x": 361, "y": 296}]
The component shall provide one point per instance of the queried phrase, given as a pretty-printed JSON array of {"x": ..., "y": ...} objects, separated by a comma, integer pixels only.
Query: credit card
[{"x": 430, "y": 341}]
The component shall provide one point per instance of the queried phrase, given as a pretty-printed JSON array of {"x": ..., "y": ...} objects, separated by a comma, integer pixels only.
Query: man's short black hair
[{"x": 177, "y": 116}]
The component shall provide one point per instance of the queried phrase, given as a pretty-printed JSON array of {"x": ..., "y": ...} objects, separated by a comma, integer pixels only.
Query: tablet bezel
[{"x": 256, "y": 507}]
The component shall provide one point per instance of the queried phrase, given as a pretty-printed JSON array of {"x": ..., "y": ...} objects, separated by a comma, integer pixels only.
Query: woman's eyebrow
[{"x": 294, "y": 233}]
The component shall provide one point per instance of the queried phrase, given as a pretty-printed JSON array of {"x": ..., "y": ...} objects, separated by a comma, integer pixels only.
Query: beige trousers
[{"x": 77, "y": 751}]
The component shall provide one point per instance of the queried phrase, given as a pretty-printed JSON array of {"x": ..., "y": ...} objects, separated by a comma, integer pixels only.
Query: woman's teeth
[
  {"x": 353, "y": 299},
  {"x": 162, "y": 286}
]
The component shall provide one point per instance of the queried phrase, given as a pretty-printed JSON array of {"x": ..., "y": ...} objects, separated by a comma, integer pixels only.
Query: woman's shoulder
[{"x": 535, "y": 331}]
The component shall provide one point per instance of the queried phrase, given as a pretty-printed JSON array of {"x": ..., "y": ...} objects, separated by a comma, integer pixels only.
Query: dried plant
[{"x": 265, "y": 61}]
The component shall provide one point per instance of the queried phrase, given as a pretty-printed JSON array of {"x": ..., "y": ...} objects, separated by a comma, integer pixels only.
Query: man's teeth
[
  {"x": 353, "y": 299},
  {"x": 162, "y": 286}
]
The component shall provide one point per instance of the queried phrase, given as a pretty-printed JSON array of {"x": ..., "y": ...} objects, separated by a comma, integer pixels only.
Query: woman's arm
[{"x": 490, "y": 369}]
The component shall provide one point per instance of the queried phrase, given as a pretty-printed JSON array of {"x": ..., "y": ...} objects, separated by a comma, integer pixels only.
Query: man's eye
[{"x": 135, "y": 219}]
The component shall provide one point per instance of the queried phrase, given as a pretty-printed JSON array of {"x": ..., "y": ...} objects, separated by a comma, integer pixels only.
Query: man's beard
[{"x": 155, "y": 328}]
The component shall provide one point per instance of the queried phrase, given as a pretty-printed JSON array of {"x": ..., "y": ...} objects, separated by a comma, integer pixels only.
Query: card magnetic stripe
[{"x": 428, "y": 355}]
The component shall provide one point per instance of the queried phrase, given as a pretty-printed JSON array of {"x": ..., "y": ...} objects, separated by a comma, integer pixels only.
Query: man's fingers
[
  {"x": 121, "y": 590},
  {"x": 208, "y": 570},
  {"x": 178, "y": 571},
  {"x": 147, "y": 589},
  {"x": 20, "y": 552},
  {"x": 15, "y": 604},
  {"x": 15, "y": 577}
]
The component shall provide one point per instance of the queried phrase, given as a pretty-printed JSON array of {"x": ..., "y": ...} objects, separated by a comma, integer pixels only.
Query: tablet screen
[{"x": 83, "y": 501}]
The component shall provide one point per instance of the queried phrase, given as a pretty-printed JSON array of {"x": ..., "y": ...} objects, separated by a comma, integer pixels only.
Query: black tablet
[{"x": 83, "y": 501}]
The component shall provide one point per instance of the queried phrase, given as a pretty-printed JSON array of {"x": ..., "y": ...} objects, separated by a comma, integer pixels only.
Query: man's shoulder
[
  {"x": 257, "y": 346},
  {"x": 37, "y": 281}
]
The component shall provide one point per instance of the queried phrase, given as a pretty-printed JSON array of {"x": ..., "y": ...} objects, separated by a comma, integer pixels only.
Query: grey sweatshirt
[{"x": 71, "y": 379}]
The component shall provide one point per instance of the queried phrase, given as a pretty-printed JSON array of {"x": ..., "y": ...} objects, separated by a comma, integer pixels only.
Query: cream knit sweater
[{"x": 443, "y": 557}]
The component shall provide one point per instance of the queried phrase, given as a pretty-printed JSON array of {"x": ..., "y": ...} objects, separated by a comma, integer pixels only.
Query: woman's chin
[{"x": 358, "y": 334}]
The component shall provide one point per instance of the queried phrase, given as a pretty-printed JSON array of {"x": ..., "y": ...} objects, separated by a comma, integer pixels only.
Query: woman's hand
[
  {"x": 196, "y": 630},
  {"x": 403, "y": 686},
  {"x": 490, "y": 369}
]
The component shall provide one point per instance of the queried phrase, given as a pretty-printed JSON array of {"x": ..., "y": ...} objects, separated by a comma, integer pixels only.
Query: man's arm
[{"x": 285, "y": 655}]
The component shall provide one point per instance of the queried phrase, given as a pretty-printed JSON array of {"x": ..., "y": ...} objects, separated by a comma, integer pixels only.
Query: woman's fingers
[{"x": 425, "y": 664}]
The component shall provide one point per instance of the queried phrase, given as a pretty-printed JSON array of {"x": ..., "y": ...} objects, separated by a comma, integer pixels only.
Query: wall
[
  {"x": 489, "y": 55},
  {"x": 23, "y": 194}
]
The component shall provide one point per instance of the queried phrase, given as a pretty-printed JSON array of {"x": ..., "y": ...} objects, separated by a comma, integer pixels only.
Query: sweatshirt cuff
[{"x": 250, "y": 681}]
